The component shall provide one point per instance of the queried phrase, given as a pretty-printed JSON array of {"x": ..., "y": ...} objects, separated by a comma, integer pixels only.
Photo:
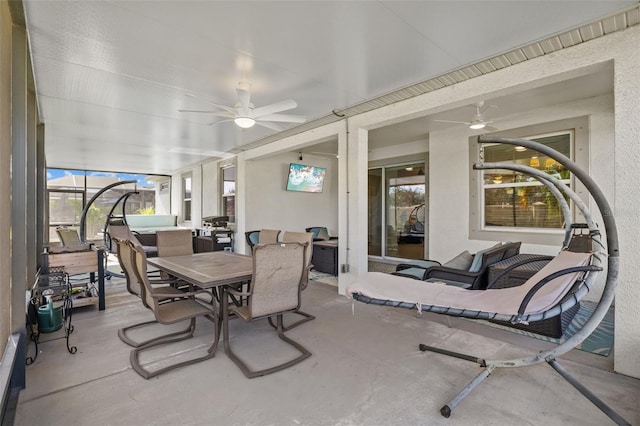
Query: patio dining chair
[
  {"x": 302, "y": 238},
  {"x": 278, "y": 270},
  {"x": 252, "y": 238},
  {"x": 125, "y": 233},
  {"x": 320, "y": 233},
  {"x": 268, "y": 236},
  {"x": 126, "y": 259},
  {"x": 177, "y": 242},
  {"x": 68, "y": 237},
  {"x": 170, "y": 308},
  {"x": 263, "y": 236}
]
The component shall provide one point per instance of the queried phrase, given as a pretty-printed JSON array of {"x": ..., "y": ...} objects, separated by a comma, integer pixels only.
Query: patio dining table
[{"x": 210, "y": 270}]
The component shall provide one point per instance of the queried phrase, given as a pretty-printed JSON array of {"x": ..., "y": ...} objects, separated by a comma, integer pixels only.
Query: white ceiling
[
  {"x": 497, "y": 110},
  {"x": 111, "y": 75}
]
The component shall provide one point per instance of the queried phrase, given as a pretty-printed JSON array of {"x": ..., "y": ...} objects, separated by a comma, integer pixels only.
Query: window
[
  {"x": 229, "y": 193},
  {"x": 510, "y": 206},
  {"x": 186, "y": 198},
  {"x": 514, "y": 200},
  {"x": 69, "y": 191}
]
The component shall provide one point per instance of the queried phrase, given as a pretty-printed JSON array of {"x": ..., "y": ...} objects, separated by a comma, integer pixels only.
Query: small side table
[
  {"x": 213, "y": 239},
  {"x": 325, "y": 257}
]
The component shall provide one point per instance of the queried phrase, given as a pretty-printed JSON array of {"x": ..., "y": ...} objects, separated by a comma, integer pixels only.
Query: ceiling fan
[
  {"x": 478, "y": 121},
  {"x": 245, "y": 115}
]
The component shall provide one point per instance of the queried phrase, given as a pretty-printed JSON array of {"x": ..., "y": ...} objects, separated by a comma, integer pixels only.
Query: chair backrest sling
[{"x": 277, "y": 275}]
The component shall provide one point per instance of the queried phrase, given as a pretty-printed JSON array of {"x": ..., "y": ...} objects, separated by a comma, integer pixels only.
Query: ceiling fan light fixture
[
  {"x": 477, "y": 126},
  {"x": 534, "y": 162},
  {"x": 244, "y": 122}
]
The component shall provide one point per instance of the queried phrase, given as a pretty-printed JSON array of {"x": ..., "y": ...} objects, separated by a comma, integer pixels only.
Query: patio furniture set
[{"x": 497, "y": 284}]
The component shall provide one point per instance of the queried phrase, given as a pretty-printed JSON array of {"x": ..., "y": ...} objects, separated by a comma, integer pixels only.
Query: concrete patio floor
[{"x": 366, "y": 369}]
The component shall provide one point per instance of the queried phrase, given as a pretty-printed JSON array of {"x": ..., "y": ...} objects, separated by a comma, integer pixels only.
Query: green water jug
[{"x": 49, "y": 318}]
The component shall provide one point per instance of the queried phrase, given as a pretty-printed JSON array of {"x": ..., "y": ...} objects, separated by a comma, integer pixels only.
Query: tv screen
[{"x": 305, "y": 178}]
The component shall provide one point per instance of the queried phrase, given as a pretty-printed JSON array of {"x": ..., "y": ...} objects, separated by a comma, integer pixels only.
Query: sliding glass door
[{"x": 397, "y": 211}]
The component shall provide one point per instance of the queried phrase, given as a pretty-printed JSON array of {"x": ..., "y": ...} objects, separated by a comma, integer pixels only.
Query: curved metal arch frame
[
  {"x": 557, "y": 188},
  {"x": 123, "y": 198},
  {"x": 83, "y": 218},
  {"x": 611, "y": 236},
  {"x": 613, "y": 264},
  {"x": 105, "y": 234}
]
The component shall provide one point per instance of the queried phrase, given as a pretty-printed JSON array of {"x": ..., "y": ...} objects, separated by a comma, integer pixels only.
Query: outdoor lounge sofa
[{"x": 465, "y": 270}]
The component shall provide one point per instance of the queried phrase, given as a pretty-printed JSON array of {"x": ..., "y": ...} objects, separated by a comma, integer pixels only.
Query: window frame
[
  {"x": 383, "y": 165},
  {"x": 224, "y": 196},
  {"x": 579, "y": 153},
  {"x": 527, "y": 184},
  {"x": 183, "y": 193}
]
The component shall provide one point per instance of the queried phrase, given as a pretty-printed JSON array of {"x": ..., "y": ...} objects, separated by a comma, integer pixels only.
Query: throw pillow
[
  {"x": 462, "y": 261},
  {"x": 477, "y": 259},
  {"x": 323, "y": 235}
]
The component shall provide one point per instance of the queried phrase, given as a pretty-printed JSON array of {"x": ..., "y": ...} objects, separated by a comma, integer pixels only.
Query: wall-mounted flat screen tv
[{"x": 305, "y": 178}]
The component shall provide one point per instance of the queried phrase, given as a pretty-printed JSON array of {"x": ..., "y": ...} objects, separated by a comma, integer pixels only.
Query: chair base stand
[
  {"x": 211, "y": 352},
  {"x": 304, "y": 353},
  {"x": 307, "y": 318},
  {"x": 587, "y": 393},
  {"x": 122, "y": 334},
  {"x": 488, "y": 369}
]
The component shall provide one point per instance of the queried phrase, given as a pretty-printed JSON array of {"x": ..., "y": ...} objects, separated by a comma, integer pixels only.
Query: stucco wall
[
  {"x": 627, "y": 197},
  {"x": 270, "y": 205}
]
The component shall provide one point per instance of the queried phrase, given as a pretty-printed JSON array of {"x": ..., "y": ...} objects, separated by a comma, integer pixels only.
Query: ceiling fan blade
[
  {"x": 270, "y": 125},
  {"x": 274, "y": 108},
  {"x": 224, "y": 107},
  {"x": 287, "y": 118},
  {"x": 244, "y": 97},
  {"x": 220, "y": 121},
  {"x": 449, "y": 121},
  {"x": 216, "y": 113}
]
